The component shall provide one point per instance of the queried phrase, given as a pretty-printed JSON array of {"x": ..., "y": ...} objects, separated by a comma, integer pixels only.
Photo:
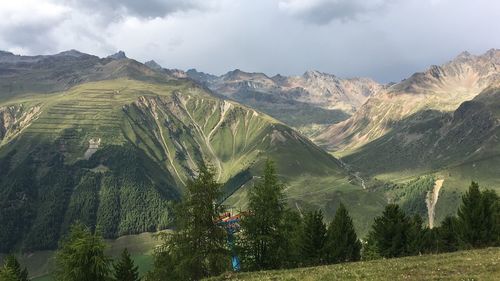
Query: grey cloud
[
  {"x": 113, "y": 10},
  {"x": 325, "y": 11}
]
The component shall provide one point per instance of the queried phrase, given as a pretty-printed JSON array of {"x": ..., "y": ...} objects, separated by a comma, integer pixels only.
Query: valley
[{"x": 116, "y": 148}]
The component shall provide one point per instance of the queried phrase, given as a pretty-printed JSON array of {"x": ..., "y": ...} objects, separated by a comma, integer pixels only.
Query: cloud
[
  {"x": 325, "y": 11},
  {"x": 113, "y": 10},
  {"x": 28, "y": 25}
]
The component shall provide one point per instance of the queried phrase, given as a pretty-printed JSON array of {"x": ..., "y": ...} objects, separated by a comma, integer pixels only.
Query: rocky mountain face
[
  {"x": 305, "y": 102},
  {"x": 440, "y": 88}
]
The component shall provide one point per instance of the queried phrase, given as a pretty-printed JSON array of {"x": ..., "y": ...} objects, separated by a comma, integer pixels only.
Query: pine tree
[
  {"x": 290, "y": 248},
  {"x": 478, "y": 218},
  {"x": 124, "y": 269},
  {"x": 416, "y": 235},
  {"x": 12, "y": 269},
  {"x": 262, "y": 240},
  {"x": 390, "y": 232},
  {"x": 7, "y": 274},
  {"x": 81, "y": 257},
  {"x": 313, "y": 238},
  {"x": 342, "y": 244},
  {"x": 198, "y": 248},
  {"x": 447, "y": 240}
]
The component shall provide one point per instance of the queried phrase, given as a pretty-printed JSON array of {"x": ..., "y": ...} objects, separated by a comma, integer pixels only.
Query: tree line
[{"x": 271, "y": 236}]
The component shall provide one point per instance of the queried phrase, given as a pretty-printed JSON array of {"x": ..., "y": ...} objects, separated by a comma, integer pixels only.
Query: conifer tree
[
  {"x": 447, "y": 240},
  {"x": 7, "y": 274},
  {"x": 198, "y": 248},
  {"x": 478, "y": 217},
  {"x": 342, "y": 244},
  {"x": 390, "y": 232},
  {"x": 416, "y": 235},
  {"x": 290, "y": 249},
  {"x": 263, "y": 236},
  {"x": 313, "y": 238},
  {"x": 81, "y": 257},
  {"x": 12, "y": 270},
  {"x": 124, "y": 269}
]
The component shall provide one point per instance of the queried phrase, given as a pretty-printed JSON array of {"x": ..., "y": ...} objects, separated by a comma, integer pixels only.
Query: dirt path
[{"x": 431, "y": 200}]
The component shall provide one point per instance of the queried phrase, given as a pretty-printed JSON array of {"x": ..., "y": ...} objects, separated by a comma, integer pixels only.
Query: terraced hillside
[{"x": 116, "y": 153}]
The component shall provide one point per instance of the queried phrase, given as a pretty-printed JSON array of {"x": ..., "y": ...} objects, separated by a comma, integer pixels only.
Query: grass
[
  {"x": 140, "y": 246},
  {"x": 471, "y": 265}
]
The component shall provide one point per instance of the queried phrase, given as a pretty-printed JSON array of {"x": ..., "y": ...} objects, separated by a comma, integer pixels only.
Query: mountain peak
[
  {"x": 72, "y": 53},
  {"x": 464, "y": 54},
  {"x": 315, "y": 74},
  {"x": 153, "y": 65},
  {"x": 5, "y": 53},
  {"x": 118, "y": 55}
]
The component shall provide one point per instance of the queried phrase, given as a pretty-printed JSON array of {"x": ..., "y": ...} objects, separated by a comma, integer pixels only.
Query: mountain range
[{"x": 112, "y": 141}]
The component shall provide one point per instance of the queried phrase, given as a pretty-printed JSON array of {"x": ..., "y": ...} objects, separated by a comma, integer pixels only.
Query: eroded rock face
[
  {"x": 441, "y": 88},
  {"x": 14, "y": 119}
]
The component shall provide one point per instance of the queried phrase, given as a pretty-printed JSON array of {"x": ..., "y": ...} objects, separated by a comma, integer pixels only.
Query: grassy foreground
[{"x": 481, "y": 265}]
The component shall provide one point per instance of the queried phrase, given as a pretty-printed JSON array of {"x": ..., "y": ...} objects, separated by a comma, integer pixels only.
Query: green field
[
  {"x": 465, "y": 265},
  {"x": 140, "y": 246}
]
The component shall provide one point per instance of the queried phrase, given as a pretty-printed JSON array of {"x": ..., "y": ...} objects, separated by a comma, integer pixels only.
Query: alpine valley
[{"x": 111, "y": 142}]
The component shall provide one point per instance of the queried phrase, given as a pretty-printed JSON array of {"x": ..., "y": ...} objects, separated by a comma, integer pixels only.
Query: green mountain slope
[
  {"x": 441, "y": 125},
  {"x": 115, "y": 153}
]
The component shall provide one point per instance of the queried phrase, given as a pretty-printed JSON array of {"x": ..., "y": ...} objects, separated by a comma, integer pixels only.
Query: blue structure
[{"x": 232, "y": 226}]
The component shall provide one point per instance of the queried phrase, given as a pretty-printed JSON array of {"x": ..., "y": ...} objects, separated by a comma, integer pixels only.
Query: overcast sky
[{"x": 384, "y": 39}]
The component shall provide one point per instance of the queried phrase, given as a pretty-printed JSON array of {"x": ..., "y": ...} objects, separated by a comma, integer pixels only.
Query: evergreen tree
[
  {"x": 7, "y": 274},
  {"x": 342, "y": 244},
  {"x": 390, "y": 232},
  {"x": 478, "y": 218},
  {"x": 124, "y": 269},
  {"x": 447, "y": 239},
  {"x": 81, "y": 257},
  {"x": 416, "y": 236},
  {"x": 12, "y": 269},
  {"x": 263, "y": 235},
  {"x": 198, "y": 248},
  {"x": 313, "y": 238},
  {"x": 290, "y": 248}
]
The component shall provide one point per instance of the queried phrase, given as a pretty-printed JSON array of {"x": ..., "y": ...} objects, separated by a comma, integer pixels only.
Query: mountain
[
  {"x": 441, "y": 88},
  {"x": 112, "y": 142},
  {"x": 306, "y": 102},
  {"x": 432, "y": 134},
  {"x": 153, "y": 65}
]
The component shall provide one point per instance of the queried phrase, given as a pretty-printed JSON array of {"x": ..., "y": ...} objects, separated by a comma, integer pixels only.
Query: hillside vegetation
[
  {"x": 115, "y": 148},
  {"x": 465, "y": 265}
]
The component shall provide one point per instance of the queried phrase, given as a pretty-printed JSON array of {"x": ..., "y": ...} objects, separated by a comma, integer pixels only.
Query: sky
[{"x": 387, "y": 40}]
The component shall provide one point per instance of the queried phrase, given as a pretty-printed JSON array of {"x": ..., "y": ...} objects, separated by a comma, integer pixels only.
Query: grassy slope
[
  {"x": 466, "y": 265},
  {"x": 458, "y": 147},
  {"x": 177, "y": 118}
]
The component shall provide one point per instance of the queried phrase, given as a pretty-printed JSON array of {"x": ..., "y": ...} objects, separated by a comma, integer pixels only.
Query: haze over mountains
[{"x": 112, "y": 141}]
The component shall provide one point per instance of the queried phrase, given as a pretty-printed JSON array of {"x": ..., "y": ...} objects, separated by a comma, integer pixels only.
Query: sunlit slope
[{"x": 114, "y": 154}]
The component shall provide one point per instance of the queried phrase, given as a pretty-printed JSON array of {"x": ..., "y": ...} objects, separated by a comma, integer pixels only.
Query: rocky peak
[
  {"x": 153, "y": 65},
  {"x": 118, "y": 56},
  {"x": 312, "y": 74}
]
